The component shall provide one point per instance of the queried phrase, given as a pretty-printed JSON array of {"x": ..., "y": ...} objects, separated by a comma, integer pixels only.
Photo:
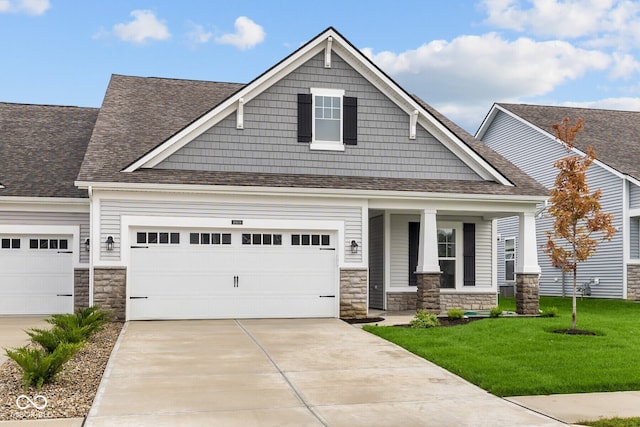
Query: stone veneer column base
[
  {"x": 468, "y": 301},
  {"x": 401, "y": 301},
  {"x": 110, "y": 290},
  {"x": 633, "y": 282},
  {"x": 80, "y": 288},
  {"x": 527, "y": 294},
  {"x": 428, "y": 292},
  {"x": 353, "y": 293}
]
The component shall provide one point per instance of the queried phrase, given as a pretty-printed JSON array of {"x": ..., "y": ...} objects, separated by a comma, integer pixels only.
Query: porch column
[
  {"x": 428, "y": 269},
  {"x": 527, "y": 268}
]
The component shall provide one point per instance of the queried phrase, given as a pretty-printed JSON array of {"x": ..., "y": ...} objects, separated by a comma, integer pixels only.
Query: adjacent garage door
[
  {"x": 36, "y": 274},
  {"x": 208, "y": 274}
]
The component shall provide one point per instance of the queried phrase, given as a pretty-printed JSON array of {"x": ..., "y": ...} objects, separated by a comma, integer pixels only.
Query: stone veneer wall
[
  {"x": 468, "y": 301},
  {"x": 353, "y": 293},
  {"x": 633, "y": 282},
  {"x": 109, "y": 290},
  {"x": 402, "y": 301},
  {"x": 80, "y": 288},
  {"x": 428, "y": 292},
  {"x": 527, "y": 294}
]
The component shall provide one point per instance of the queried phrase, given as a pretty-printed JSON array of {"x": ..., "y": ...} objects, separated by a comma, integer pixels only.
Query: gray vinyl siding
[
  {"x": 52, "y": 218},
  {"x": 268, "y": 143},
  {"x": 535, "y": 153},
  {"x": 112, "y": 210},
  {"x": 634, "y": 196},
  {"x": 399, "y": 262},
  {"x": 376, "y": 262},
  {"x": 634, "y": 237}
]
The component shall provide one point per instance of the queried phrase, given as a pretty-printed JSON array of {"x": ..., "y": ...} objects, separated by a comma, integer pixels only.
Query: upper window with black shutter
[{"x": 327, "y": 119}]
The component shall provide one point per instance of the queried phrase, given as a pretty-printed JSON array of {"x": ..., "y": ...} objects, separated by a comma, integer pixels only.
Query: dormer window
[{"x": 327, "y": 119}]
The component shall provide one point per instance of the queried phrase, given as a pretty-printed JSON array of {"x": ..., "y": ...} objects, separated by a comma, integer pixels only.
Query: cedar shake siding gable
[
  {"x": 41, "y": 149},
  {"x": 278, "y": 119}
]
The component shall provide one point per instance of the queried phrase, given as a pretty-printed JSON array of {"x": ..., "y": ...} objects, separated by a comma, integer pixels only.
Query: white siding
[
  {"x": 483, "y": 254},
  {"x": 112, "y": 210},
  {"x": 51, "y": 218}
]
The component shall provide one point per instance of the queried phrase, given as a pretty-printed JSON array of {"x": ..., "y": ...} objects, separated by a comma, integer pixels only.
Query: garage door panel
[
  {"x": 36, "y": 280},
  {"x": 238, "y": 280}
]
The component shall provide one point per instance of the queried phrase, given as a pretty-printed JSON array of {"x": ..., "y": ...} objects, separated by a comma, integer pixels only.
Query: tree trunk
[{"x": 574, "y": 307}]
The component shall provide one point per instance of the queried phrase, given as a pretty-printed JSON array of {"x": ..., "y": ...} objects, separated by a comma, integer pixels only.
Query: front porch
[{"x": 438, "y": 259}]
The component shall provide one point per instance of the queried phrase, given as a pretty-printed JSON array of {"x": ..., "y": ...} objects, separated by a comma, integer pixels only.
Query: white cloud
[
  {"x": 624, "y": 104},
  {"x": 599, "y": 22},
  {"x": 248, "y": 34},
  {"x": 30, "y": 7},
  {"x": 145, "y": 26},
  {"x": 198, "y": 35},
  {"x": 625, "y": 66},
  {"x": 464, "y": 76}
]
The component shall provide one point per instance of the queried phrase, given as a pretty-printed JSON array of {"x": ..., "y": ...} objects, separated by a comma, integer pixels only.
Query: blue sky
[{"x": 460, "y": 56}]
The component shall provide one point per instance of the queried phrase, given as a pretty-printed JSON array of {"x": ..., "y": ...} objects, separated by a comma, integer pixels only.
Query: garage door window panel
[{"x": 10, "y": 243}]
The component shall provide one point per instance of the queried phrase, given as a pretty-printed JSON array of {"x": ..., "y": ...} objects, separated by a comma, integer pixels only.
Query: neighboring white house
[
  {"x": 319, "y": 189},
  {"x": 44, "y": 218},
  {"x": 524, "y": 135}
]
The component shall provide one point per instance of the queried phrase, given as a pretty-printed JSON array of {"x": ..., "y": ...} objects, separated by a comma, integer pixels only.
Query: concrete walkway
[{"x": 303, "y": 372}]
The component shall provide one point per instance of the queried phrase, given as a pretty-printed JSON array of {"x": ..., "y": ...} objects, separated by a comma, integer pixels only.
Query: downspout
[{"x": 91, "y": 241}]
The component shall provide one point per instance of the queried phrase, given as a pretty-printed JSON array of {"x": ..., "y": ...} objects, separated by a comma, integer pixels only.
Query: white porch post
[
  {"x": 527, "y": 249},
  {"x": 527, "y": 268},
  {"x": 428, "y": 269},
  {"x": 428, "y": 246}
]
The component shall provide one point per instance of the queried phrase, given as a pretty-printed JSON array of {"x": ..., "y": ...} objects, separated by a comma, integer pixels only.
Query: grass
[
  {"x": 613, "y": 422},
  {"x": 522, "y": 356}
]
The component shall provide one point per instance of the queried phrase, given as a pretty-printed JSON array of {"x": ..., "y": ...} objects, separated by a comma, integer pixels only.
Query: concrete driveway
[{"x": 303, "y": 372}]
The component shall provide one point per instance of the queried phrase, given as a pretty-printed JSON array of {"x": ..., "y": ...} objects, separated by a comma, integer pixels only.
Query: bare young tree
[{"x": 576, "y": 211}]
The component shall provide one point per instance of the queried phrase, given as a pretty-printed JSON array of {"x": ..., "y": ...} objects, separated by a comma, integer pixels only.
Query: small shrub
[
  {"x": 38, "y": 366},
  {"x": 50, "y": 339},
  {"x": 495, "y": 312},
  {"x": 550, "y": 312},
  {"x": 424, "y": 319},
  {"x": 85, "y": 322},
  {"x": 455, "y": 313}
]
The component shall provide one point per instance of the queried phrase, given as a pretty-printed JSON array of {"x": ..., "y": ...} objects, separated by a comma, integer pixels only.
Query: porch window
[
  {"x": 447, "y": 257},
  {"x": 509, "y": 259}
]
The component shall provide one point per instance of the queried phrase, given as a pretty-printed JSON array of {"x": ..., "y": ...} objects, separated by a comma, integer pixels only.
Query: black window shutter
[
  {"x": 414, "y": 242},
  {"x": 350, "y": 121},
  {"x": 304, "y": 117},
  {"x": 469, "y": 254}
]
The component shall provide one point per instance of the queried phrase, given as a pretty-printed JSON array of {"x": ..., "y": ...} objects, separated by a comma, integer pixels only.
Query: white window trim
[
  {"x": 504, "y": 256},
  {"x": 457, "y": 226},
  {"x": 319, "y": 144}
]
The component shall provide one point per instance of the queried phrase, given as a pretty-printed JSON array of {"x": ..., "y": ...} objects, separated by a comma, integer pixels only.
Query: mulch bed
[
  {"x": 364, "y": 320},
  {"x": 573, "y": 332}
]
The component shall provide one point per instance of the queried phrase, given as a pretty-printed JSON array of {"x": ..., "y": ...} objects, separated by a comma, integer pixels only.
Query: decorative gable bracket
[
  {"x": 327, "y": 53},
  {"x": 240, "y": 114},
  {"x": 413, "y": 122}
]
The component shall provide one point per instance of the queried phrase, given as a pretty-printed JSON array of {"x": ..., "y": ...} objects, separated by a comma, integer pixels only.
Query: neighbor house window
[
  {"x": 447, "y": 257},
  {"x": 509, "y": 259},
  {"x": 327, "y": 119}
]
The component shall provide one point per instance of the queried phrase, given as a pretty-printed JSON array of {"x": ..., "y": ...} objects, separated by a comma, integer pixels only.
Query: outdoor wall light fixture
[
  {"x": 354, "y": 247},
  {"x": 110, "y": 243},
  {"x": 87, "y": 246}
]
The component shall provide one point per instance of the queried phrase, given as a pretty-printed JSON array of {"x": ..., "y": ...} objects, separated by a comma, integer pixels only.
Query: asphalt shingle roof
[
  {"x": 138, "y": 114},
  {"x": 41, "y": 149},
  {"x": 615, "y": 135}
]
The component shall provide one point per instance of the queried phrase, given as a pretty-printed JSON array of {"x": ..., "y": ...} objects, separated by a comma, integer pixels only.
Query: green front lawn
[{"x": 521, "y": 356}]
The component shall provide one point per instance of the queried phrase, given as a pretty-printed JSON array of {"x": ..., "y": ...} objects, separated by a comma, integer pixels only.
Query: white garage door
[
  {"x": 232, "y": 274},
  {"x": 36, "y": 274}
]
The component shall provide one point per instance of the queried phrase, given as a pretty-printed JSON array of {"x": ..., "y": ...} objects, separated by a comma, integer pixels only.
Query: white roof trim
[
  {"x": 494, "y": 111},
  {"x": 355, "y": 59}
]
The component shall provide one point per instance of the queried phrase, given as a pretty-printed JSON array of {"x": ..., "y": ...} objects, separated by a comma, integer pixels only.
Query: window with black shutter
[
  {"x": 469, "y": 254},
  {"x": 327, "y": 119}
]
